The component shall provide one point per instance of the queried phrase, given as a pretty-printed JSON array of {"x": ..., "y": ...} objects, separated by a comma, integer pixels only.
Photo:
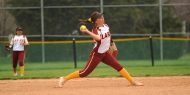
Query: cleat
[
  {"x": 15, "y": 74},
  {"x": 135, "y": 83},
  {"x": 61, "y": 82}
]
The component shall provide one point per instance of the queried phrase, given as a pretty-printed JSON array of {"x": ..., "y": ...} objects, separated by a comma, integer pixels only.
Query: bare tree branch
[{"x": 182, "y": 11}]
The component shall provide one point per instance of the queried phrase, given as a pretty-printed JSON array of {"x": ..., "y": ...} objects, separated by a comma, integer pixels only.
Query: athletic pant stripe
[{"x": 88, "y": 64}]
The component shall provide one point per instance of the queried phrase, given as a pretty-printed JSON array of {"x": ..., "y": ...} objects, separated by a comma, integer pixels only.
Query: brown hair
[
  {"x": 95, "y": 15},
  {"x": 19, "y": 29},
  {"x": 92, "y": 19}
]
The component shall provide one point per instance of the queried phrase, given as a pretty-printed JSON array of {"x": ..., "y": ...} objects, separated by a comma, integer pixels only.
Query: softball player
[
  {"x": 100, "y": 33},
  {"x": 17, "y": 43}
]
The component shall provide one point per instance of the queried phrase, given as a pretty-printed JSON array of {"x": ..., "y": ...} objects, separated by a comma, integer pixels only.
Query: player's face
[
  {"x": 100, "y": 21},
  {"x": 19, "y": 32}
]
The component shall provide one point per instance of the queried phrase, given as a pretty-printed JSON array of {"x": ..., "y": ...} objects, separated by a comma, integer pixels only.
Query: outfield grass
[{"x": 136, "y": 68}]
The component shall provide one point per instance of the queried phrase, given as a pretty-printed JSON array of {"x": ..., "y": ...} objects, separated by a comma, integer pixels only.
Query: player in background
[
  {"x": 101, "y": 34},
  {"x": 18, "y": 43}
]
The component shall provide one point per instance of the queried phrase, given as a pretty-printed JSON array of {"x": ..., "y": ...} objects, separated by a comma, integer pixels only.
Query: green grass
[{"x": 135, "y": 68}]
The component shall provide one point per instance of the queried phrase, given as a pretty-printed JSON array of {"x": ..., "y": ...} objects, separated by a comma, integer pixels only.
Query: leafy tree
[{"x": 122, "y": 20}]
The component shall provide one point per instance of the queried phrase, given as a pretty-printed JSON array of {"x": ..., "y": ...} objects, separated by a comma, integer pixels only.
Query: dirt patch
[{"x": 176, "y": 85}]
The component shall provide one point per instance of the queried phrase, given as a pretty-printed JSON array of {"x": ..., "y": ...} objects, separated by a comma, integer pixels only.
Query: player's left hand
[{"x": 7, "y": 48}]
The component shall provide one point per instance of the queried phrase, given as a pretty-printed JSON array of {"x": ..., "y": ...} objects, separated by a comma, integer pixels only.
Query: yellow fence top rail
[{"x": 91, "y": 41}]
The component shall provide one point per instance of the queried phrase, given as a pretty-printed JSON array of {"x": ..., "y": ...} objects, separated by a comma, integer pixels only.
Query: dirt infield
[{"x": 177, "y": 85}]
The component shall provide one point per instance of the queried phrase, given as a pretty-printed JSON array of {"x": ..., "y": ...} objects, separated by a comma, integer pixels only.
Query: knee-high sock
[
  {"x": 125, "y": 74},
  {"x": 21, "y": 70},
  {"x": 72, "y": 75}
]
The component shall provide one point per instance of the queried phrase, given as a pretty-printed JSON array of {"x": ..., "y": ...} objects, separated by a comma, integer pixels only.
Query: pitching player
[
  {"x": 17, "y": 43},
  {"x": 101, "y": 34}
]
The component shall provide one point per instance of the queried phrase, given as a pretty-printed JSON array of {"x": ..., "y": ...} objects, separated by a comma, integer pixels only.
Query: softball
[{"x": 82, "y": 27}]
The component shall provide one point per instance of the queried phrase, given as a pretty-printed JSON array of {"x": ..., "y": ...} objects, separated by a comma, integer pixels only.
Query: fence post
[
  {"x": 74, "y": 53},
  {"x": 151, "y": 50}
]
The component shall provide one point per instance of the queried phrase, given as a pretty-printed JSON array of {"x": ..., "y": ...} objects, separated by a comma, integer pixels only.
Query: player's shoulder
[
  {"x": 19, "y": 36},
  {"x": 103, "y": 26},
  {"x": 106, "y": 25},
  {"x": 24, "y": 36}
]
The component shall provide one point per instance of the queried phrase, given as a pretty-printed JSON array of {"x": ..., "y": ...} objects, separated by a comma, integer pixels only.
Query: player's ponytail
[
  {"x": 85, "y": 21},
  {"x": 92, "y": 19}
]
